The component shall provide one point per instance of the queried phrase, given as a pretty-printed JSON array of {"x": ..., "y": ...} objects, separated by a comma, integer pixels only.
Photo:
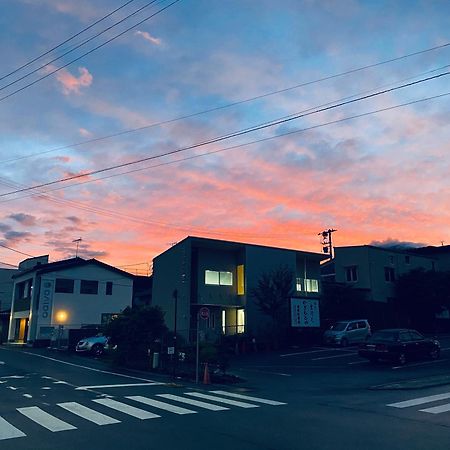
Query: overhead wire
[
  {"x": 88, "y": 52},
  {"x": 76, "y": 47},
  {"x": 225, "y": 137},
  {"x": 37, "y": 58},
  {"x": 229, "y": 105}
]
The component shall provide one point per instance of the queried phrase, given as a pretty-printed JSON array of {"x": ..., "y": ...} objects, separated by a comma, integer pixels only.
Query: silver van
[{"x": 347, "y": 332}]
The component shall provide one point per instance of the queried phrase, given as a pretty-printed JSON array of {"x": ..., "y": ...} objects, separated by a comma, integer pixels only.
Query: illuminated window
[
  {"x": 218, "y": 278},
  {"x": 311, "y": 285},
  {"x": 240, "y": 320},
  {"x": 298, "y": 284},
  {"x": 224, "y": 321},
  {"x": 240, "y": 280}
]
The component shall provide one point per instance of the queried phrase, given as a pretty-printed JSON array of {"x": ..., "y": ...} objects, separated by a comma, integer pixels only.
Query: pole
[
  {"x": 197, "y": 350},
  {"x": 175, "y": 354}
]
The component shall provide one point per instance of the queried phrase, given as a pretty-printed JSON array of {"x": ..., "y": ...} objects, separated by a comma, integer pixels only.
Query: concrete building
[
  {"x": 6, "y": 290},
  {"x": 441, "y": 254},
  {"x": 373, "y": 269},
  {"x": 51, "y": 298},
  {"x": 199, "y": 272}
]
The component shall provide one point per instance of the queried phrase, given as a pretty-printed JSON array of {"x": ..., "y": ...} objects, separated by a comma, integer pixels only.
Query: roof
[
  {"x": 214, "y": 243},
  {"x": 432, "y": 250},
  {"x": 70, "y": 263},
  {"x": 406, "y": 251}
]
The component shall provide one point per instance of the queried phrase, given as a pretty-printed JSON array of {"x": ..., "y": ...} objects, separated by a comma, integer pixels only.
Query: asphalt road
[{"x": 301, "y": 399}]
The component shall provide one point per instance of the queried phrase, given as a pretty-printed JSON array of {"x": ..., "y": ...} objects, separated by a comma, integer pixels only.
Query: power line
[
  {"x": 65, "y": 41},
  {"x": 76, "y": 46},
  {"x": 209, "y": 232},
  {"x": 224, "y": 137},
  {"x": 17, "y": 251},
  {"x": 229, "y": 105},
  {"x": 88, "y": 52}
]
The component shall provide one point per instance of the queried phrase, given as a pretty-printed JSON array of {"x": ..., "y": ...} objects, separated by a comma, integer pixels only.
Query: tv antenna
[
  {"x": 78, "y": 244},
  {"x": 326, "y": 241}
]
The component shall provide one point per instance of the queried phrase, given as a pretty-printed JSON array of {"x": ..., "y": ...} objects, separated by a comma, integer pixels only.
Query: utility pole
[
  {"x": 326, "y": 241},
  {"x": 78, "y": 243},
  {"x": 175, "y": 297}
]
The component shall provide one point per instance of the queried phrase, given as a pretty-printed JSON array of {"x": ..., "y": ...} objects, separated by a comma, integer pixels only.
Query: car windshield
[
  {"x": 339, "y": 326},
  {"x": 386, "y": 336}
]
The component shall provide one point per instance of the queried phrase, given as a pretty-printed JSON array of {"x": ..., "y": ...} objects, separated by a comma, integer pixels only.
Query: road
[{"x": 316, "y": 399}]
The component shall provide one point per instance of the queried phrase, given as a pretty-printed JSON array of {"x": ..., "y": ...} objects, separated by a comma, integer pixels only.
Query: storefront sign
[{"x": 305, "y": 313}]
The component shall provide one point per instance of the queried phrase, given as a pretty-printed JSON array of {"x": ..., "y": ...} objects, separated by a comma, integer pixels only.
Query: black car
[{"x": 399, "y": 345}]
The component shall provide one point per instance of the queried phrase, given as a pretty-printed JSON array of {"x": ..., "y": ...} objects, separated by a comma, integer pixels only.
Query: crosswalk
[
  {"x": 420, "y": 402},
  {"x": 128, "y": 406}
]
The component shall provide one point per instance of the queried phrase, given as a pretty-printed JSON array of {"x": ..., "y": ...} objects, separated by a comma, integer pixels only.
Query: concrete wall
[{"x": 6, "y": 288}]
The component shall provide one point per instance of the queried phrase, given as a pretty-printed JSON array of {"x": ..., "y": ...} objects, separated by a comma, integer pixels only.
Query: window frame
[
  {"x": 83, "y": 291},
  {"x": 59, "y": 291}
]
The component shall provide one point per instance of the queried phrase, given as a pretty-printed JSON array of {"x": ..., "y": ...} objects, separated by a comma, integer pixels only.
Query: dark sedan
[{"x": 399, "y": 345}]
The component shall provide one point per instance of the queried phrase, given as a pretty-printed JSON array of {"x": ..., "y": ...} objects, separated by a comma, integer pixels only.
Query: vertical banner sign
[
  {"x": 46, "y": 302},
  {"x": 305, "y": 313}
]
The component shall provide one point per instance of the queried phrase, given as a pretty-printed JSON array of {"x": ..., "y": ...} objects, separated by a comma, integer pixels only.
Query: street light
[{"x": 61, "y": 318}]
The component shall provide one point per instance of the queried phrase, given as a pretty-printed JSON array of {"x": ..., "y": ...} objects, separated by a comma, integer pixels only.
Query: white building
[{"x": 51, "y": 298}]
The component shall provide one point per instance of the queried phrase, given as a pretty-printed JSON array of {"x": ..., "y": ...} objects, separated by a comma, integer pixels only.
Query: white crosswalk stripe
[
  {"x": 8, "y": 431},
  {"x": 437, "y": 409},
  {"x": 193, "y": 402},
  {"x": 126, "y": 409},
  {"x": 249, "y": 398},
  {"x": 88, "y": 413},
  {"x": 161, "y": 405},
  {"x": 420, "y": 400},
  {"x": 45, "y": 419},
  {"x": 227, "y": 401}
]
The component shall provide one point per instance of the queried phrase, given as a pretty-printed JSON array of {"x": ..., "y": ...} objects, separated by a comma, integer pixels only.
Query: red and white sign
[{"x": 203, "y": 313}]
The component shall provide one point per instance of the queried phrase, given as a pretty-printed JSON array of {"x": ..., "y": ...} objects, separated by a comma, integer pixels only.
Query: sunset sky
[{"x": 203, "y": 69}]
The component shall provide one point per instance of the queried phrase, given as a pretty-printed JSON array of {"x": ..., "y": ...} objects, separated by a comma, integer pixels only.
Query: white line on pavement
[
  {"x": 88, "y": 413},
  {"x": 419, "y": 364},
  {"x": 250, "y": 398},
  {"x": 85, "y": 388},
  {"x": 8, "y": 431},
  {"x": 437, "y": 409},
  {"x": 335, "y": 356},
  {"x": 358, "y": 362},
  {"x": 126, "y": 409},
  {"x": 87, "y": 367},
  {"x": 307, "y": 352},
  {"x": 192, "y": 402},
  {"x": 420, "y": 400},
  {"x": 161, "y": 405},
  {"x": 227, "y": 401},
  {"x": 45, "y": 420}
]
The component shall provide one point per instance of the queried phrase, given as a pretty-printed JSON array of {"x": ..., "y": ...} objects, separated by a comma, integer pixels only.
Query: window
[
  {"x": 89, "y": 287},
  {"x": 218, "y": 278},
  {"x": 109, "y": 286},
  {"x": 362, "y": 324},
  {"x": 298, "y": 284},
  {"x": 351, "y": 273},
  {"x": 311, "y": 285},
  {"x": 407, "y": 259},
  {"x": 64, "y": 286},
  {"x": 240, "y": 321},
  {"x": 389, "y": 274},
  {"x": 240, "y": 280}
]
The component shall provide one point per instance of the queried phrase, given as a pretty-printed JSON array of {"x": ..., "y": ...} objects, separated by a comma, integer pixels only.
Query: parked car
[
  {"x": 95, "y": 345},
  {"x": 399, "y": 345},
  {"x": 347, "y": 332}
]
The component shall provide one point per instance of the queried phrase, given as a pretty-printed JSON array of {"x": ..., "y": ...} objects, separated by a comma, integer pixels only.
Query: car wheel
[
  {"x": 344, "y": 342},
  {"x": 401, "y": 359},
  {"x": 97, "y": 350},
  {"x": 434, "y": 353}
]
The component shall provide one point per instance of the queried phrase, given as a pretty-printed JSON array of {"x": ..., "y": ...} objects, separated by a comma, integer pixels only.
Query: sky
[{"x": 173, "y": 88}]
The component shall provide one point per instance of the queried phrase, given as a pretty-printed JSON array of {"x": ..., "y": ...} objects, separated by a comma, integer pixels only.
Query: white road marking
[
  {"x": 192, "y": 402},
  {"x": 13, "y": 377},
  {"x": 28, "y": 395},
  {"x": 419, "y": 364},
  {"x": 46, "y": 388},
  {"x": 12, "y": 388},
  {"x": 161, "y": 405},
  {"x": 358, "y": 362},
  {"x": 126, "y": 409},
  {"x": 85, "y": 388},
  {"x": 1, "y": 363},
  {"x": 420, "y": 400},
  {"x": 46, "y": 420},
  {"x": 307, "y": 352},
  {"x": 335, "y": 356},
  {"x": 88, "y": 413},
  {"x": 437, "y": 409},
  {"x": 87, "y": 367},
  {"x": 222, "y": 400},
  {"x": 8, "y": 431},
  {"x": 248, "y": 397}
]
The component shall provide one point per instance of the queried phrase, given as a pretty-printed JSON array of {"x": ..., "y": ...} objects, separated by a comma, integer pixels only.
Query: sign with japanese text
[{"x": 305, "y": 313}]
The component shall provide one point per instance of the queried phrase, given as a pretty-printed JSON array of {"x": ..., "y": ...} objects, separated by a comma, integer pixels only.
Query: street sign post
[{"x": 203, "y": 313}]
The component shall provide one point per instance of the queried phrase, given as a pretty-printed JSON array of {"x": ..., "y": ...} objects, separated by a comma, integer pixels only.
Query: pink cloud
[
  {"x": 72, "y": 84},
  {"x": 148, "y": 37}
]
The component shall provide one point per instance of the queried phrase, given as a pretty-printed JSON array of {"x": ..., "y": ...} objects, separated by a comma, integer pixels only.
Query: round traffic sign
[{"x": 203, "y": 313}]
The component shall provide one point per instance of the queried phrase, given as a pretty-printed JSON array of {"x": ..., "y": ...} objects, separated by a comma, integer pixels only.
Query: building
[
  {"x": 6, "y": 290},
  {"x": 199, "y": 272},
  {"x": 373, "y": 269},
  {"x": 51, "y": 298},
  {"x": 441, "y": 254}
]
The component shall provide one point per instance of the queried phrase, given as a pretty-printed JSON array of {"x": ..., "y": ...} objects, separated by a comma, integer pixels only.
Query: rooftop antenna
[{"x": 78, "y": 244}]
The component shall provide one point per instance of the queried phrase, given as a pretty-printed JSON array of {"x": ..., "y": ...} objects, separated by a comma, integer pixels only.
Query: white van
[{"x": 347, "y": 332}]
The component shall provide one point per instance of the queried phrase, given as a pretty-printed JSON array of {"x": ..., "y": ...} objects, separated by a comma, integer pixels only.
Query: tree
[
  {"x": 135, "y": 331},
  {"x": 272, "y": 295},
  {"x": 420, "y": 295}
]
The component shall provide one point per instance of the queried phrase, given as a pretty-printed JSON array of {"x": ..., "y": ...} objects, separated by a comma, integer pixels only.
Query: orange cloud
[{"x": 72, "y": 84}]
